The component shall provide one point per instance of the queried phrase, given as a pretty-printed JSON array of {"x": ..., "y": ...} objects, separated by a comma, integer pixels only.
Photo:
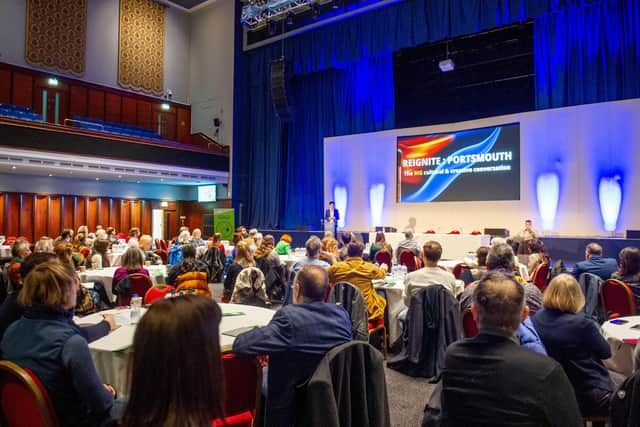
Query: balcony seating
[
  {"x": 20, "y": 113},
  {"x": 115, "y": 128}
]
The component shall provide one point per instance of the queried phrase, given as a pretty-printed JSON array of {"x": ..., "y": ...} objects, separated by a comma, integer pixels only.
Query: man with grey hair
[
  {"x": 500, "y": 259},
  {"x": 313, "y": 246},
  {"x": 491, "y": 365},
  {"x": 595, "y": 263},
  {"x": 408, "y": 244}
]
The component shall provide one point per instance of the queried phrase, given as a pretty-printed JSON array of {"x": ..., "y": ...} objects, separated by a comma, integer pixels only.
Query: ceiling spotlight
[
  {"x": 13, "y": 167},
  {"x": 52, "y": 81},
  {"x": 289, "y": 19},
  {"x": 165, "y": 106},
  {"x": 50, "y": 174},
  {"x": 97, "y": 179}
]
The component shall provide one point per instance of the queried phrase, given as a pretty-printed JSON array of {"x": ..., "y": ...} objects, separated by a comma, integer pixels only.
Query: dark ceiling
[{"x": 187, "y": 4}]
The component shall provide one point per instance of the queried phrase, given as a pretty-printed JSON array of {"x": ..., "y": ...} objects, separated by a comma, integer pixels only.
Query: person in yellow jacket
[{"x": 360, "y": 273}]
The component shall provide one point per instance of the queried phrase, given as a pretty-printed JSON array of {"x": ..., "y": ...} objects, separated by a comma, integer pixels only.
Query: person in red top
[{"x": 19, "y": 251}]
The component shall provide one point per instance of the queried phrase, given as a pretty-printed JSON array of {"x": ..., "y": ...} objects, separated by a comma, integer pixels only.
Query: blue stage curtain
[
  {"x": 588, "y": 53},
  {"x": 358, "y": 98},
  {"x": 343, "y": 84}
]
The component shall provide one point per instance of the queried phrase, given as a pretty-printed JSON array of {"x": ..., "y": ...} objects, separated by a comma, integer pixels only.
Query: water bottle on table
[{"x": 136, "y": 305}]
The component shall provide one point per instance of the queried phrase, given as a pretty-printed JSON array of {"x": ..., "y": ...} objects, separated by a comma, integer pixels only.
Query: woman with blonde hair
[
  {"x": 46, "y": 341},
  {"x": 574, "y": 340},
  {"x": 242, "y": 260},
  {"x": 330, "y": 251}
]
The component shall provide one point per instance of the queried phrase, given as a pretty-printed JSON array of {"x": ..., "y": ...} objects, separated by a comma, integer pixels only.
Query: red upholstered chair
[
  {"x": 85, "y": 251},
  {"x": 540, "y": 276},
  {"x": 140, "y": 284},
  {"x": 157, "y": 292},
  {"x": 164, "y": 245},
  {"x": 457, "y": 269},
  {"x": 469, "y": 326},
  {"x": 162, "y": 254},
  {"x": 242, "y": 389},
  {"x": 617, "y": 299},
  {"x": 383, "y": 257},
  {"x": 24, "y": 401},
  {"x": 10, "y": 240},
  {"x": 408, "y": 259},
  {"x": 244, "y": 419}
]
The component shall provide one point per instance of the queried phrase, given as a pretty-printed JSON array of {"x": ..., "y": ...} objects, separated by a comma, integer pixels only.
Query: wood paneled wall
[
  {"x": 36, "y": 215},
  {"x": 23, "y": 86}
]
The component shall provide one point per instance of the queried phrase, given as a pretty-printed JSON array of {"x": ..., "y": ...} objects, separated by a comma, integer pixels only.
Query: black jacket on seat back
[{"x": 433, "y": 322}]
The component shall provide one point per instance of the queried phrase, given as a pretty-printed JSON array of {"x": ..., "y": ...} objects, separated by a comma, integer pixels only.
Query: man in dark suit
[
  {"x": 296, "y": 339},
  {"x": 482, "y": 374},
  {"x": 595, "y": 263},
  {"x": 331, "y": 218}
]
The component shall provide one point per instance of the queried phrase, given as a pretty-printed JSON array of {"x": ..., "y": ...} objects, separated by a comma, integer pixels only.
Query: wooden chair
[
  {"x": 617, "y": 299},
  {"x": 408, "y": 259},
  {"x": 24, "y": 401},
  {"x": 540, "y": 276},
  {"x": 242, "y": 389},
  {"x": 469, "y": 326}
]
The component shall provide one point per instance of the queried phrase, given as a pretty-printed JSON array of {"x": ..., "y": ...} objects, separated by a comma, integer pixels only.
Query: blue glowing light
[
  {"x": 340, "y": 199},
  {"x": 376, "y": 203},
  {"x": 610, "y": 197},
  {"x": 548, "y": 192}
]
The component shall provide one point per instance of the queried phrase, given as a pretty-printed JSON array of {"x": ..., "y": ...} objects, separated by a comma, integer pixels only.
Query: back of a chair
[
  {"x": 24, "y": 400},
  {"x": 242, "y": 384},
  {"x": 383, "y": 257},
  {"x": 540, "y": 276},
  {"x": 590, "y": 285},
  {"x": 162, "y": 254},
  {"x": 140, "y": 284},
  {"x": 617, "y": 298},
  {"x": 469, "y": 326},
  {"x": 348, "y": 388},
  {"x": 408, "y": 259},
  {"x": 458, "y": 268},
  {"x": 350, "y": 297},
  {"x": 157, "y": 292}
]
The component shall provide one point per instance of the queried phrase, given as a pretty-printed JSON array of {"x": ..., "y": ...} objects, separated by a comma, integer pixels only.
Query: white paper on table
[
  {"x": 92, "y": 319},
  {"x": 88, "y": 285},
  {"x": 120, "y": 339}
]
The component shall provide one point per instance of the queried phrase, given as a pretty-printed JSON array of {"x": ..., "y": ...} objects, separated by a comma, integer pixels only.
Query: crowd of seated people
[{"x": 567, "y": 344}]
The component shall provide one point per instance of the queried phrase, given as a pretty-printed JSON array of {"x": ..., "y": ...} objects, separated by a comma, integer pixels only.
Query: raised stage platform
[{"x": 569, "y": 249}]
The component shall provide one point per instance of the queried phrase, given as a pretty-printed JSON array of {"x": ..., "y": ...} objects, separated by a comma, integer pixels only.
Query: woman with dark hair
[
  {"x": 46, "y": 341},
  {"x": 190, "y": 274},
  {"x": 629, "y": 271},
  {"x": 537, "y": 255},
  {"x": 99, "y": 255},
  {"x": 268, "y": 261},
  {"x": 380, "y": 244},
  {"x": 193, "y": 398}
]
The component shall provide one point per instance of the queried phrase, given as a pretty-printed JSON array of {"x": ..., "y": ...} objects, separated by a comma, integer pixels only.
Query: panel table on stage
[
  {"x": 111, "y": 353},
  {"x": 454, "y": 246}
]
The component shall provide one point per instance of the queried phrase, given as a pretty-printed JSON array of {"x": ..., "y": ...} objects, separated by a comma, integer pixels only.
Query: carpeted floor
[{"x": 407, "y": 398}]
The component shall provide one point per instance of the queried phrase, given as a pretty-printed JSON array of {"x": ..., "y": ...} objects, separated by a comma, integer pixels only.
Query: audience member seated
[
  {"x": 478, "y": 270},
  {"x": 132, "y": 262},
  {"x": 175, "y": 253},
  {"x": 629, "y": 271},
  {"x": 380, "y": 244},
  {"x": 10, "y": 311},
  {"x": 360, "y": 273},
  {"x": 250, "y": 288},
  {"x": 196, "y": 238},
  {"x": 595, "y": 263},
  {"x": 66, "y": 236},
  {"x": 248, "y": 237},
  {"x": 500, "y": 259},
  {"x": 237, "y": 238},
  {"x": 65, "y": 253},
  {"x": 101, "y": 234},
  {"x": 242, "y": 260},
  {"x": 296, "y": 339},
  {"x": 429, "y": 275},
  {"x": 345, "y": 238},
  {"x": 134, "y": 235},
  {"x": 284, "y": 245},
  {"x": 481, "y": 374},
  {"x": 191, "y": 324},
  {"x": 537, "y": 255},
  {"x": 80, "y": 242},
  {"x": 190, "y": 274},
  {"x": 330, "y": 252},
  {"x": 44, "y": 244},
  {"x": 145, "y": 246},
  {"x": 266, "y": 257},
  {"x": 19, "y": 251},
  {"x": 574, "y": 340},
  {"x": 216, "y": 242},
  {"x": 112, "y": 235},
  {"x": 46, "y": 341},
  {"x": 313, "y": 247},
  {"x": 408, "y": 244},
  {"x": 98, "y": 255}
]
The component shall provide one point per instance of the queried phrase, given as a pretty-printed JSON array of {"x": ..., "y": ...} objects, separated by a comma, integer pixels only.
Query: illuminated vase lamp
[
  {"x": 610, "y": 197},
  {"x": 376, "y": 203},
  {"x": 340, "y": 199},
  {"x": 548, "y": 192}
]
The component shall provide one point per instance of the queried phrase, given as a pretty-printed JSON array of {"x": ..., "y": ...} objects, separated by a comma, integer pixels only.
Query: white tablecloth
[
  {"x": 451, "y": 263},
  {"x": 5, "y": 251},
  {"x": 292, "y": 258},
  {"x": 111, "y": 353},
  {"x": 395, "y": 305},
  {"x": 622, "y": 340},
  {"x": 115, "y": 259},
  {"x": 454, "y": 246},
  {"x": 105, "y": 275}
]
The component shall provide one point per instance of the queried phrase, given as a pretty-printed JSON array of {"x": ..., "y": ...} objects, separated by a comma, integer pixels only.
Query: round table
[
  {"x": 105, "y": 275},
  {"x": 111, "y": 354},
  {"x": 622, "y": 338}
]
